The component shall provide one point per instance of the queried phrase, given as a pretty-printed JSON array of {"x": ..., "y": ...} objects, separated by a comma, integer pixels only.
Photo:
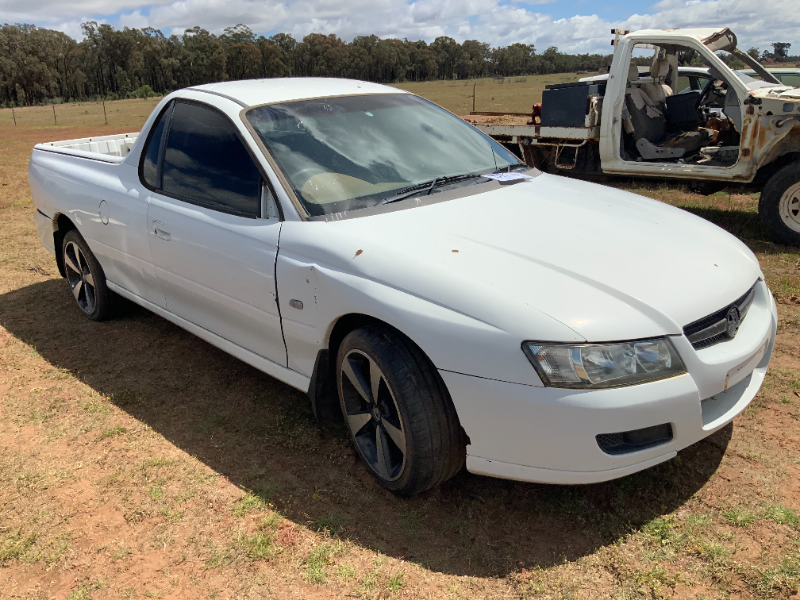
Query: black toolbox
[{"x": 567, "y": 104}]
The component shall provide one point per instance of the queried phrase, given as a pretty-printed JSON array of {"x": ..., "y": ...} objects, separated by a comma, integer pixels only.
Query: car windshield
[{"x": 352, "y": 152}]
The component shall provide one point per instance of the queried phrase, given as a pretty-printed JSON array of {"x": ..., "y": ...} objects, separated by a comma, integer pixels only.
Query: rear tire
[
  {"x": 779, "y": 206},
  {"x": 86, "y": 278},
  {"x": 398, "y": 411}
]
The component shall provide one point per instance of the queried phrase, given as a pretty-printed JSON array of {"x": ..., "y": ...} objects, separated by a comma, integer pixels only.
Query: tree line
[{"x": 40, "y": 65}]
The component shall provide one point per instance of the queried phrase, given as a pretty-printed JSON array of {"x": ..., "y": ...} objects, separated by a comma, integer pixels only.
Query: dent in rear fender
[
  {"x": 453, "y": 341},
  {"x": 44, "y": 228}
]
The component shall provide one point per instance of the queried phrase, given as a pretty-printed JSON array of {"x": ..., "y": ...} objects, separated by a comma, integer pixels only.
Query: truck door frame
[{"x": 614, "y": 102}]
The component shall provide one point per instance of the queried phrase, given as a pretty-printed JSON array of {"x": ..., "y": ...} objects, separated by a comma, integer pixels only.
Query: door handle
[{"x": 159, "y": 230}]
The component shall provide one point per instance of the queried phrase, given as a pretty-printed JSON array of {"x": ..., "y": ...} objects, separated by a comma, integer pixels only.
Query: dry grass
[
  {"x": 126, "y": 113},
  {"x": 136, "y": 461},
  {"x": 514, "y": 94}
]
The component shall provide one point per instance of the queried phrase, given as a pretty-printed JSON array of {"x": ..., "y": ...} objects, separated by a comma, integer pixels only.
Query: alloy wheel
[
  {"x": 372, "y": 415},
  {"x": 80, "y": 277}
]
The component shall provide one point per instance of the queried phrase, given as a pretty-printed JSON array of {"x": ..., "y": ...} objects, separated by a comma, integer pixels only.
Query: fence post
[
  {"x": 104, "y": 112},
  {"x": 473, "y": 96},
  {"x": 14, "y": 116},
  {"x": 55, "y": 121}
]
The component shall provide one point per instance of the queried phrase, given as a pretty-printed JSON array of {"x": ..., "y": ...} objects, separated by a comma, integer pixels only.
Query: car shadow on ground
[{"x": 260, "y": 434}]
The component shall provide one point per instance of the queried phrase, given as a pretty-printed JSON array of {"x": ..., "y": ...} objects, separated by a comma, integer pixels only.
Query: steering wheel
[
  {"x": 705, "y": 93},
  {"x": 300, "y": 177}
]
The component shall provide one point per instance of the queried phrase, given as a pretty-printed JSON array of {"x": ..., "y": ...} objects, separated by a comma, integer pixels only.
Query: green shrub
[{"x": 143, "y": 92}]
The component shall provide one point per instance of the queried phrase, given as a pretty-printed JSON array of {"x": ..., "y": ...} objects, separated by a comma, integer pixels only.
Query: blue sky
[{"x": 572, "y": 25}]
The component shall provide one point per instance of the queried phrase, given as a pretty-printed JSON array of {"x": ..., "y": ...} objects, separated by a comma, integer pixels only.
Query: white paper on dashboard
[{"x": 507, "y": 176}]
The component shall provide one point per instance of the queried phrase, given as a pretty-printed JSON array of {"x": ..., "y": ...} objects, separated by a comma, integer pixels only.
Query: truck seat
[
  {"x": 645, "y": 121},
  {"x": 658, "y": 90}
]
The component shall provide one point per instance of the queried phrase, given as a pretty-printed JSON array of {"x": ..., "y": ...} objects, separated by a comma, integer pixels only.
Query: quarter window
[
  {"x": 151, "y": 153},
  {"x": 206, "y": 163}
]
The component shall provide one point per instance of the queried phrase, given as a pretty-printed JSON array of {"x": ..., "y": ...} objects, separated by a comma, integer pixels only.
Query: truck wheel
[
  {"x": 86, "y": 278},
  {"x": 780, "y": 206},
  {"x": 399, "y": 413}
]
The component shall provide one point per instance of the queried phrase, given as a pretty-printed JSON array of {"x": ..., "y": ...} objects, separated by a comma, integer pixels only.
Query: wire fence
[{"x": 113, "y": 113}]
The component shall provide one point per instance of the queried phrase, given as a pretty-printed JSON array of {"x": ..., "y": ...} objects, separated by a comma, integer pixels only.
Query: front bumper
[{"x": 548, "y": 435}]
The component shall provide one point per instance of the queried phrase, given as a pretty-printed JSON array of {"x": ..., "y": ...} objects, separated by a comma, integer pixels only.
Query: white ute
[{"x": 371, "y": 249}]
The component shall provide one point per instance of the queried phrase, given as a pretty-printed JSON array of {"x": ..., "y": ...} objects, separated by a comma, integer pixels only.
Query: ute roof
[{"x": 252, "y": 92}]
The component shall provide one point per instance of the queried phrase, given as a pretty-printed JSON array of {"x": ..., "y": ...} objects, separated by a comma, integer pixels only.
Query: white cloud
[
  {"x": 756, "y": 22},
  {"x": 57, "y": 13},
  {"x": 134, "y": 20}
]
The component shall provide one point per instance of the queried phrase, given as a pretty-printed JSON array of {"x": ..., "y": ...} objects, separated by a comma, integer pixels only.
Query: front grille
[
  {"x": 714, "y": 328},
  {"x": 637, "y": 439}
]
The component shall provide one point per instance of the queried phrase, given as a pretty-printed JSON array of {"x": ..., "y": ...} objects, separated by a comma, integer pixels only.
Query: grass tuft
[
  {"x": 161, "y": 461},
  {"x": 397, "y": 582},
  {"x": 739, "y": 517},
  {"x": 109, "y": 433},
  {"x": 260, "y": 545},
  {"x": 316, "y": 562},
  {"x": 247, "y": 503},
  {"x": 15, "y": 546},
  {"x": 120, "y": 554},
  {"x": 332, "y": 522},
  {"x": 346, "y": 572},
  {"x": 782, "y": 515},
  {"x": 782, "y": 580}
]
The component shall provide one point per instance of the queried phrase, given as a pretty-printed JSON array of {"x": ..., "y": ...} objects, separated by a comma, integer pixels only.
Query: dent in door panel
[{"x": 299, "y": 283}]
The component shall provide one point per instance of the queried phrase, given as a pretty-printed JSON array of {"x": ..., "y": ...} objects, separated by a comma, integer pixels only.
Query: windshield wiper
[{"x": 428, "y": 186}]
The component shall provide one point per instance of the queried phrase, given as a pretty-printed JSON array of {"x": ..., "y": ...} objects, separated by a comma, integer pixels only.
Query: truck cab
[
  {"x": 726, "y": 128},
  {"x": 657, "y": 128}
]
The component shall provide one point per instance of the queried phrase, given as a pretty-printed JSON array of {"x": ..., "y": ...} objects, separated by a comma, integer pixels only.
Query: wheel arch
[
  {"x": 765, "y": 172},
  {"x": 62, "y": 224},
  {"x": 322, "y": 390}
]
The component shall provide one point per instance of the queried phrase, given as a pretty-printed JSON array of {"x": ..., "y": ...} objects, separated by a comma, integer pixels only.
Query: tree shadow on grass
[{"x": 260, "y": 433}]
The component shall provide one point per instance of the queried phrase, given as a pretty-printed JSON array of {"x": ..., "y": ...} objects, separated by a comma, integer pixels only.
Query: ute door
[{"x": 214, "y": 245}]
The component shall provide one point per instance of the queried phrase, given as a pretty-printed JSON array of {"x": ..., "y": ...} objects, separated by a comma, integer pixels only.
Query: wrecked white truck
[{"x": 736, "y": 130}]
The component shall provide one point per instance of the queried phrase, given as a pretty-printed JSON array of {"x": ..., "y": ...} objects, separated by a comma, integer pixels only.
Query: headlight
[{"x": 604, "y": 365}]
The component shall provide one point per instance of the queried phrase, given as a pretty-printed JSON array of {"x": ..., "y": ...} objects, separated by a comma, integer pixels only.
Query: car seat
[
  {"x": 658, "y": 91},
  {"x": 645, "y": 120}
]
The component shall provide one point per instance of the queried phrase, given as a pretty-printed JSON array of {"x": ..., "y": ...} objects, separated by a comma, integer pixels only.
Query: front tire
[
  {"x": 398, "y": 411},
  {"x": 779, "y": 205},
  {"x": 86, "y": 278}
]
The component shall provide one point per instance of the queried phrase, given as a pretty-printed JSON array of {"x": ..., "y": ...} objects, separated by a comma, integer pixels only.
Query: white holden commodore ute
[{"x": 408, "y": 272}]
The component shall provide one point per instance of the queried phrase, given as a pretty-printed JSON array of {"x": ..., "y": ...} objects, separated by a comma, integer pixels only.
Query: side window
[
  {"x": 702, "y": 82},
  {"x": 205, "y": 163},
  {"x": 150, "y": 172}
]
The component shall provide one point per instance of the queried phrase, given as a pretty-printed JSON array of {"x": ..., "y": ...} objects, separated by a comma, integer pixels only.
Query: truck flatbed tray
[
  {"x": 487, "y": 118},
  {"x": 511, "y": 125}
]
